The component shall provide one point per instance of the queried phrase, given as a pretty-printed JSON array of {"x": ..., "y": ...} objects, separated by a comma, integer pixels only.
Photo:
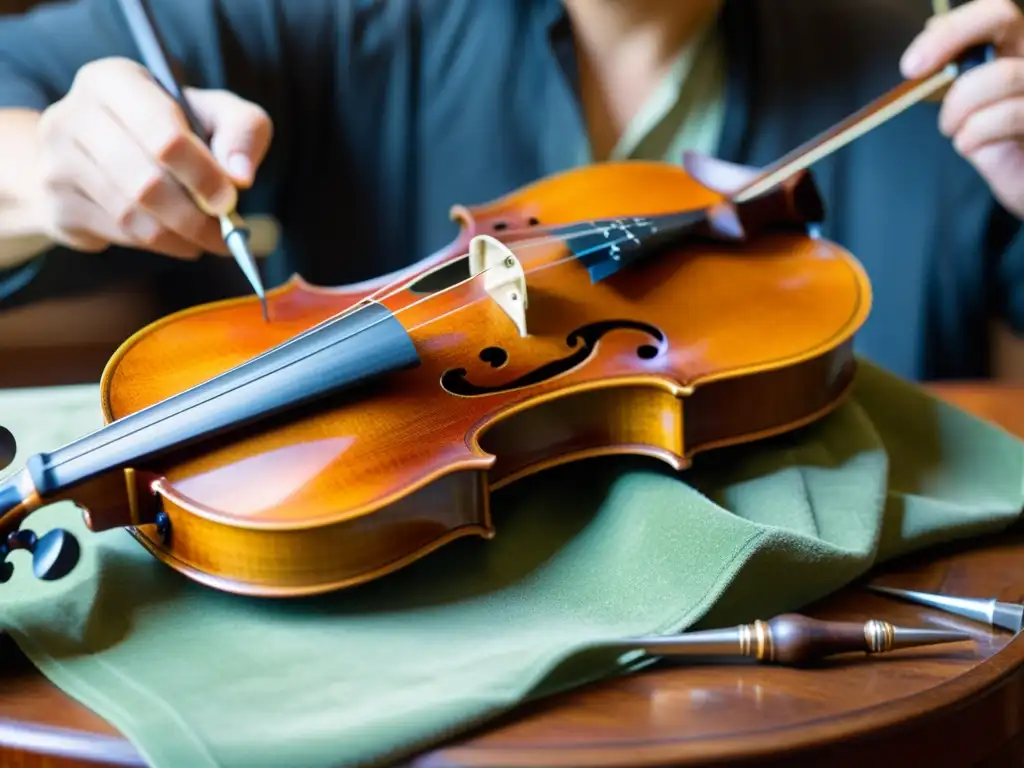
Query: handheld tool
[
  {"x": 791, "y": 640},
  {"x": 992, "y": 612},
  {"x": 233, "y": 229}
]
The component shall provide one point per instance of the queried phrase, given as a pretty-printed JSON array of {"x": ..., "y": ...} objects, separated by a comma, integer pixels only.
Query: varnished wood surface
[
  {"x": 938, "y": 707},
  {"x": 643, "y": 362}
]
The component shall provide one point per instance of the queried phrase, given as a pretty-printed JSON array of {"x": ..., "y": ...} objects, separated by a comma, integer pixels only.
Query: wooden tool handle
[{"x": 794, "y": 639}]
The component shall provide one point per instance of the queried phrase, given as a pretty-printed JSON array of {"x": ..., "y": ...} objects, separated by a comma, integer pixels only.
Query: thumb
[
  {"x": 948, "y": 35},
  {"x": 240, "y": 131}
]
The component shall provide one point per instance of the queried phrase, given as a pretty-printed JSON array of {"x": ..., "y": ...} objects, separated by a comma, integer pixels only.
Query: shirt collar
[{"x": 738, "y": 24}]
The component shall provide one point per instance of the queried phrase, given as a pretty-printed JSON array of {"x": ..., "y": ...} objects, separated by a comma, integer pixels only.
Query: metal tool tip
[
  {"x": 904, "y": 637},
  {"x": 239, "y": 248},
  {"x": 989, "y": 611}
]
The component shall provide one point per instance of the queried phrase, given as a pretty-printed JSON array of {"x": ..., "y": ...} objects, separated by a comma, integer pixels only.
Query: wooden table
[{"x": 933, "y": 708}]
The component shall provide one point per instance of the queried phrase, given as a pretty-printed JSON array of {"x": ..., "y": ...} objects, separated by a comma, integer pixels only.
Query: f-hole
[
  {"x": 496, "y": 357},
  {"x": 583, "y": 343}
]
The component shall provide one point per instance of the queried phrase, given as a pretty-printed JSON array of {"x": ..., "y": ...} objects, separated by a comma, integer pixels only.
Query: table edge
[{"x": 53, "y": 741}]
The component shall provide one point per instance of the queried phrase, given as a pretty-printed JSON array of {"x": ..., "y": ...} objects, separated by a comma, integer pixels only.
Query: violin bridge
[{"x": 503, "y": 277}]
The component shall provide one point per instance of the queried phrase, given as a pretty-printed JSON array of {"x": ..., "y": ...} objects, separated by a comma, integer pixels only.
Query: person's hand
[
  {"x": 983, "y": 112},
  {"x": 118, "y": 163}
]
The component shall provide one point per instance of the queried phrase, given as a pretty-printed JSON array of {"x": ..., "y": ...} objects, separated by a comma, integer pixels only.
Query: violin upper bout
[{"x": 463, "y": 216}]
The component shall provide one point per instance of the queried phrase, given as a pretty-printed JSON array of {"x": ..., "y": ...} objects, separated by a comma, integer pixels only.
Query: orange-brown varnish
[{"x": 757, "y": 339}]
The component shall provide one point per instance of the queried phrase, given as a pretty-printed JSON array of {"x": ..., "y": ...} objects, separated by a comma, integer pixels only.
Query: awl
[
  {"x": 143, "y": 29},
  {"x": 992, "y": 612}
]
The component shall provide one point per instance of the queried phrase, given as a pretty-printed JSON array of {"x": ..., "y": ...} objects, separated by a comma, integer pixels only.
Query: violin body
[
  {"x": 708, "y": 344},
  {"x": 704, "y": 347}
]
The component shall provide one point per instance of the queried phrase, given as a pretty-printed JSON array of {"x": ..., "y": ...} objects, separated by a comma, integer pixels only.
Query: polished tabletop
[{"x": 954, "y": 705}]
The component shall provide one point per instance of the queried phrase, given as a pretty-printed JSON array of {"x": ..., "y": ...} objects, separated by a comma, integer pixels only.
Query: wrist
[{"x": 23, "y": 229}]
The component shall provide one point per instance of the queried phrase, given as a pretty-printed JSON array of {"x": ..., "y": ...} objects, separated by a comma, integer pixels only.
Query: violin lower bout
[{"x": 639, "y": 417}]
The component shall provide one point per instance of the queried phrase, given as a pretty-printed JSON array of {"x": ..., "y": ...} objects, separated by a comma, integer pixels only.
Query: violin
[{"x": 622, "y": 308}]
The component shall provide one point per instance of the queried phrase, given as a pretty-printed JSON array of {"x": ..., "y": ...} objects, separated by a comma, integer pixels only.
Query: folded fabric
[{"x": 584, "y": 553}]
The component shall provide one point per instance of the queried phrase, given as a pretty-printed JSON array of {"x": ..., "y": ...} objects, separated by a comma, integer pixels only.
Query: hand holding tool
[{"x": 151, "y": 48}]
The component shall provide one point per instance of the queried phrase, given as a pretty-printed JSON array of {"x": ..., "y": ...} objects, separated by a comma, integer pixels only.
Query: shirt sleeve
[
  {"x": 250, "y": 47},
  {"x": 13, "y": 281}
]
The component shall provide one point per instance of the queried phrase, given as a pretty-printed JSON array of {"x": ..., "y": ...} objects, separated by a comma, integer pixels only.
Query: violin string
[
  {"x": 418, "y": 302},
  {"x": 514, "y": 246},
  {"x": 481, "y": 273},
  {"x": 392, "y": 289},
  {"x": 401, "y": 286},
  {"x": 461, "y": 307},
  {"x": 464, "y": 281},
  {"x": 397, "y": 286}
]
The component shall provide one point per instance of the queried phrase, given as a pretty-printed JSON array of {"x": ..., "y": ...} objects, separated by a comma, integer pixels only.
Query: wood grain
[
  {"x": 926, "y": 707},
  {"x": 709, "y": 342}
]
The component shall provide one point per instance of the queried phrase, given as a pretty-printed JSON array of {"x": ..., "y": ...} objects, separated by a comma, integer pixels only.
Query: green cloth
[{"x": 584, "y": 553}]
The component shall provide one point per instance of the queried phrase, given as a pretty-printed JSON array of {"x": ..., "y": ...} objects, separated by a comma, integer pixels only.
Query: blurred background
[{"x": 69, "y": 341}]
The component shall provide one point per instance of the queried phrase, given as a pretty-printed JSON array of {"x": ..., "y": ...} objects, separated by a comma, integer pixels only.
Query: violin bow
[
  {"x": 881, "y": 110},
  {"x": 940, "y": 7}
]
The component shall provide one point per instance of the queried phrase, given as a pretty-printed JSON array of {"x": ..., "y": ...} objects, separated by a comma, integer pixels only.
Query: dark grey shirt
[{"x": 387, "y": 112}]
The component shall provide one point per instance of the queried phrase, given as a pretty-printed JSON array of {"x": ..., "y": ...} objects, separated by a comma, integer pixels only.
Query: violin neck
[
  {"x": 335, "y": 356},
  {"x": 606, "y": 246}
]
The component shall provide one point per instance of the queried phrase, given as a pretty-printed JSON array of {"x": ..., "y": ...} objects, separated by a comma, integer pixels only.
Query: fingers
[
  {"x": 950, "y": 34},
  {"x": 87, "y": 226},
  {"x": 1003, "y": 121},
  {"x": 121, "y": 163},
  {"x": 90, "y": 212},
  {"x": 241, "y": 130},
  {"x": 150, "y": 116},
  {"x": 979, "y": 88},
  {"x": 75, "y": 217},
  {"x": 139, "y": 195}
]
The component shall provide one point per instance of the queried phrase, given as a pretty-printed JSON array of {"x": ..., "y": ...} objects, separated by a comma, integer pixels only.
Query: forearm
[{"x": 21, "y": 233}]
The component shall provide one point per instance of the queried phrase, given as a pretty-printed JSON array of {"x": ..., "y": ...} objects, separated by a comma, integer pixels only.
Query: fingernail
[
  {"x": 239, "y": 166},
  {"x": 145, "y": 226},
  {"x": 912, "y": 63}
]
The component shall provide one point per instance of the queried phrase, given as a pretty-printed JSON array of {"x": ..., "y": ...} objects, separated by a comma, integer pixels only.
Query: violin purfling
[{"x": 622, "y": 308}]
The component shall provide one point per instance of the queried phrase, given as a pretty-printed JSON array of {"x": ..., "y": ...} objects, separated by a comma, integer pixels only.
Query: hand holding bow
[{"x": 983, "y": 112}]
